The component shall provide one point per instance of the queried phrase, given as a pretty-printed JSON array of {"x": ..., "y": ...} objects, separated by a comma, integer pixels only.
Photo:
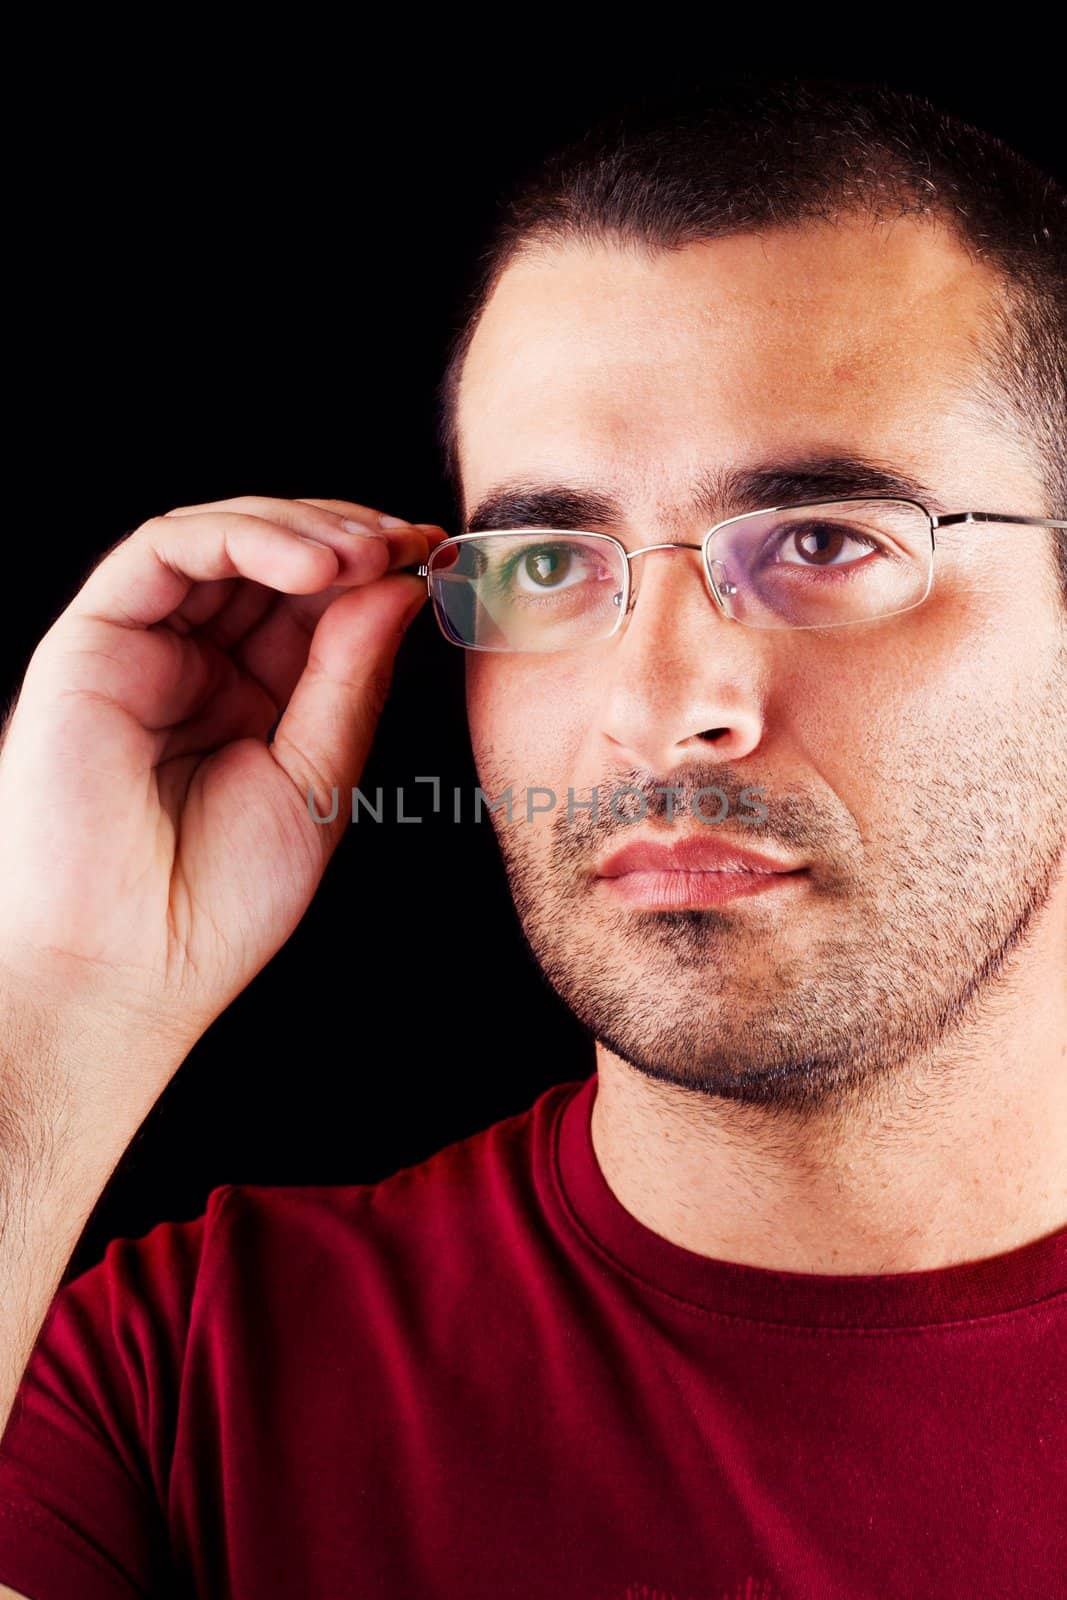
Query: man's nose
[{"x": 680, "y": 679}]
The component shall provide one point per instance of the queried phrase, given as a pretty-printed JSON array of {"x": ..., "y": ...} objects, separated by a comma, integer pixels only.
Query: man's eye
[
  {"x": 547, "y": 567},
  {"x": 821, "y": 544}
]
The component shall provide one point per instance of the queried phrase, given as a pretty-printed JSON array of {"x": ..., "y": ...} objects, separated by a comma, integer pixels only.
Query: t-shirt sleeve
[{"x": 85, "y": 1459}]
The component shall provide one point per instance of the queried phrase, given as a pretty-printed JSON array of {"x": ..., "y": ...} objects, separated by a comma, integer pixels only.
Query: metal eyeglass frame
[{"x": 944, "y": 520}]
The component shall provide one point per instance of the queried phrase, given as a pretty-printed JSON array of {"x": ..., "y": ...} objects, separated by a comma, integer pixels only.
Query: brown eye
[{"x": 819, "y": 542}]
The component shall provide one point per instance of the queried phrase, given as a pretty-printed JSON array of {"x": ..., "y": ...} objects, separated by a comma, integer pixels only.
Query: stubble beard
[{"x": 881, "y": 963}]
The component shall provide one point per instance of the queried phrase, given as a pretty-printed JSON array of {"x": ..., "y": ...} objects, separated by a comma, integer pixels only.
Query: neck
[{"x": 961, "y": 1156}]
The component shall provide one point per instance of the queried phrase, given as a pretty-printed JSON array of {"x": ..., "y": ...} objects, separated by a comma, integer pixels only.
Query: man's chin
[{"x": 796, "y": 1084}]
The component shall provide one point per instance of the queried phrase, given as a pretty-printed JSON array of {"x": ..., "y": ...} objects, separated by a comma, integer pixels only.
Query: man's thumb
[{"x": 325, "y": 734}]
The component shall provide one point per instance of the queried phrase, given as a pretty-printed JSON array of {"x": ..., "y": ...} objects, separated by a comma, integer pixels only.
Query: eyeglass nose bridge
[{"x": 721, "y": 587}]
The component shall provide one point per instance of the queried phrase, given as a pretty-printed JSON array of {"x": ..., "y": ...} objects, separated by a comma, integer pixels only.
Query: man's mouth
[{"x": 693, "y": 872}]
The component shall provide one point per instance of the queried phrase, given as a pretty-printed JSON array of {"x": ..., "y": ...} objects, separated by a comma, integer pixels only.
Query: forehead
[{"x": 636, "y": 372}]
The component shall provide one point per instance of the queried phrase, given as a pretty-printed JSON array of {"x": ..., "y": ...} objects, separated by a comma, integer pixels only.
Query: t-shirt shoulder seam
[{"x": 215, "y": 1219}]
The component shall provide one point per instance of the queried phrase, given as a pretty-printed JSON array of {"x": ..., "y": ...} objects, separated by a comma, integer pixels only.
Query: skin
[{"x": 868, "y": 1073}]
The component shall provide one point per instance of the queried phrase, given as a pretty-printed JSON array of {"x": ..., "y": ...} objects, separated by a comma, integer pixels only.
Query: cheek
[
  {"x": 890, "y": 714},
  {"x": 526, "y": 718}
]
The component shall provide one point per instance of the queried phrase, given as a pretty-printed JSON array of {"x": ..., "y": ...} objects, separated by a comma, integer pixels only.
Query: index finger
[
  {"x": 146, "y": 577},
  {"x": 349, "y": 508},
  {"x": 408, "y": 543}
]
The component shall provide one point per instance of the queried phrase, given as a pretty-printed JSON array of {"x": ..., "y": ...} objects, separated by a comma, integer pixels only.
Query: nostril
[{"x": 712, "y": 734}]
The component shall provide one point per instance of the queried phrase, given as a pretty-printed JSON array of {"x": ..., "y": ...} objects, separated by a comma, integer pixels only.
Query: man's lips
[
  {"x": 691, "y": 854},
  {"x": 693, "y": 873}
]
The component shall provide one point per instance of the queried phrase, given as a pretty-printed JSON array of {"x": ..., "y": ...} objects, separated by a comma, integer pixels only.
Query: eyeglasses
[{"x": 818, "y": 565}]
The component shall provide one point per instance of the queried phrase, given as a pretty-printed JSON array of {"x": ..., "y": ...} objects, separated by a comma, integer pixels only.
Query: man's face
[{"x": 915, "y": 766}]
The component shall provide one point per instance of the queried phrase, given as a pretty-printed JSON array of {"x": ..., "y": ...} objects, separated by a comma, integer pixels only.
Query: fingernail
[
  {"x": 362, "y": 528},
  {"x": 393, "y": 522}
]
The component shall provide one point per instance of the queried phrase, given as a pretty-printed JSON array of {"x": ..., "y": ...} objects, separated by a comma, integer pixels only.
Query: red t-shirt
[{"x": 482, "y": 1378}]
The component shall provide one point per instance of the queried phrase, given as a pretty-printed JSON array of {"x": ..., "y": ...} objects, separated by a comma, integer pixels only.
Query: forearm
[
  {"x": 41, "y": 1219},
  {"x": 56, "y": 1156}
]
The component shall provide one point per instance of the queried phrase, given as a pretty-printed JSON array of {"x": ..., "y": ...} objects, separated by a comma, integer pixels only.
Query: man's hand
[{"x": 155, "y": 849}]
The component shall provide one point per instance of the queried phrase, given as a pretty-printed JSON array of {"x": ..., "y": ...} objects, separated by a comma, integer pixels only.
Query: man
[{"x": 773, "y": 1303}]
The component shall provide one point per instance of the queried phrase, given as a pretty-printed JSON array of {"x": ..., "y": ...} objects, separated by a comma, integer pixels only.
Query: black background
[{"x": 241, "y": 268}]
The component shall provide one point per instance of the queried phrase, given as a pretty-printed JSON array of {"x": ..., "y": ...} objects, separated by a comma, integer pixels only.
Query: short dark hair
[{"x": 758, "y": 151}]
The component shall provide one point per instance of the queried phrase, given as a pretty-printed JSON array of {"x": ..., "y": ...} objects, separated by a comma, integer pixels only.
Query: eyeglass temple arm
[
  {"x": 948, "y": 519},
  {"x": 993, "y": 516}
]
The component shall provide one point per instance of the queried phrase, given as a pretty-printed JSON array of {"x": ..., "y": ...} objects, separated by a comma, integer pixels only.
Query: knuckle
[
  {"x": 103, "y": 557},
  {"x": 303, "y": 765},
  {"x": 146, "y": 528},
  {"x": 236, "y": 502}
]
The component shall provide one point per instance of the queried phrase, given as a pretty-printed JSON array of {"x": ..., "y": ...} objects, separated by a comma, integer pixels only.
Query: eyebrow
[{"x": 719, "y": 493}]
